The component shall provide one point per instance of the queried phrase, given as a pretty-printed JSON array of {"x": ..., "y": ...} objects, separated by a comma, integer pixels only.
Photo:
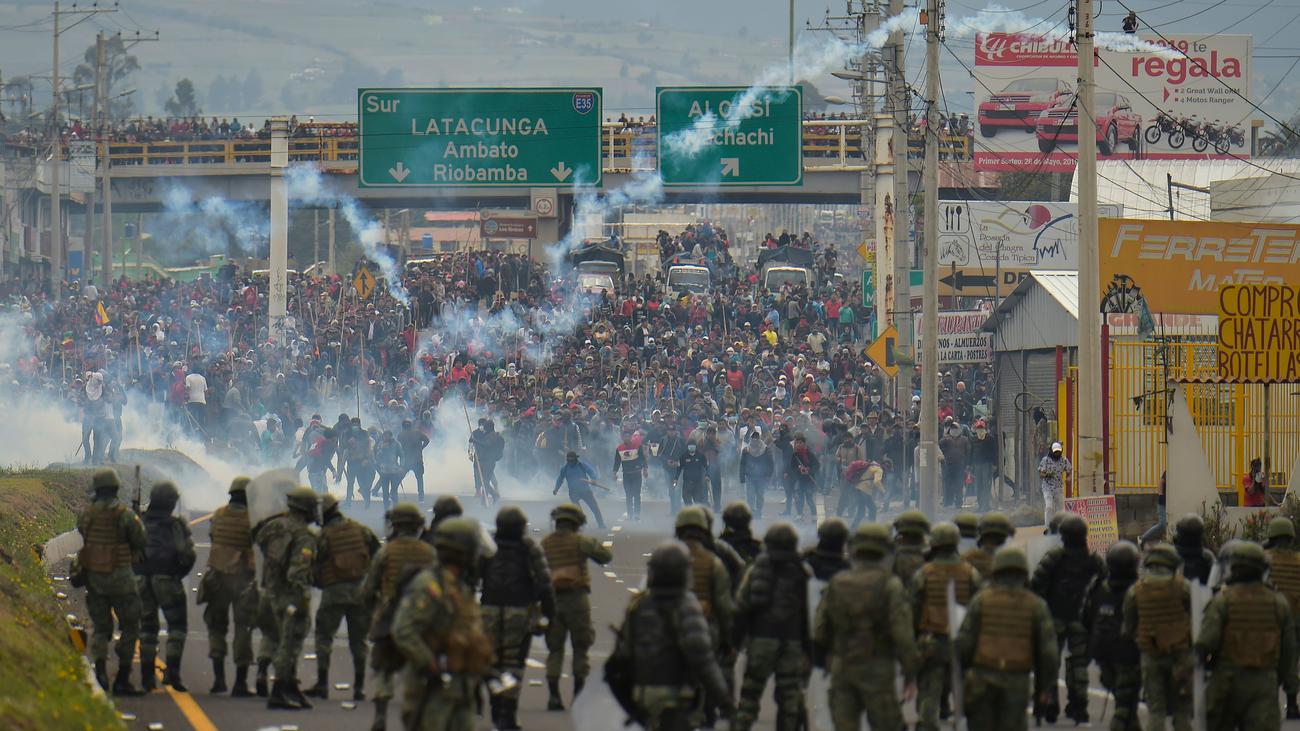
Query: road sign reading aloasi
[
  {"x": 490, "y": 137},
  {"x": 730, "y": 135}
]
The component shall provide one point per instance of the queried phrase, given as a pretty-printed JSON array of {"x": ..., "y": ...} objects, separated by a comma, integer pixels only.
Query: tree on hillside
[
  {"x": 184, "y": 101},
  {"x": 1283, "y": 140},
  {"x": 120, "y": 67}
]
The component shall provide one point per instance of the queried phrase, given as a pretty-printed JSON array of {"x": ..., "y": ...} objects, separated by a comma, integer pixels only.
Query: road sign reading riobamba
[
  {"x": 724, "y": 135},
  {"x": 478, "y": 137},
  {"x": 1259, "y": 333}
]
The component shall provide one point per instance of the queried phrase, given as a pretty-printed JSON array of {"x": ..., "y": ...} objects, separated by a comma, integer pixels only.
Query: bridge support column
[
  {"x": 277, "y": 301},
  {"x": 545, "y": 202}
]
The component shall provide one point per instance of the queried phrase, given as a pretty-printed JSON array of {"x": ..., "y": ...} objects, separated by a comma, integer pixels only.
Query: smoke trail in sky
[
  {"x": 306, "y": 186},
  {"x": 210, "y": 224}
]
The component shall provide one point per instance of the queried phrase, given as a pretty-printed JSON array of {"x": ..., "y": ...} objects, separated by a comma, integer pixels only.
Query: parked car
[
  {"x": 1116, "y": 123},
  {"x": 1019, "y": 104}
]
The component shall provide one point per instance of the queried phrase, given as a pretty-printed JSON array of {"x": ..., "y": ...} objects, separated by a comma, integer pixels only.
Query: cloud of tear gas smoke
[
  {"x": 306, "y": 186},
  {"x": 998, "y": 19},
  {"x": 211, "y": 225}
]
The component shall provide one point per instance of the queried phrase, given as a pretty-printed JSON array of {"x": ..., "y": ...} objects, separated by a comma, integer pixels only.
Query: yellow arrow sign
[
  {"x": 364, "y": 283},
  {"x": 881, "y": 352}
]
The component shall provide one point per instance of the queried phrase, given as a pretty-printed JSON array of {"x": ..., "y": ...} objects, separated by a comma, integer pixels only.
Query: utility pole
[
  {"x": 791, "y": 43},
  {"x": 901, "y": 98},
  {"x": 56, "y": 152},
  {"x": 315, "y": 236},
  {"x": 99, "y": 125},
  {"x": 928, "y": 462},
  {"x": 331, "y": 269},
  {"x": 277, "y": 301},
  {"x": 1088, "y": 458}
]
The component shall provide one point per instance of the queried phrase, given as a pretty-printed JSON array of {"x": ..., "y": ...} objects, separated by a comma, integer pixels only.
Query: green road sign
[
  {"x": 716, "y": 135},
  {"x": 478, "y": 137}
]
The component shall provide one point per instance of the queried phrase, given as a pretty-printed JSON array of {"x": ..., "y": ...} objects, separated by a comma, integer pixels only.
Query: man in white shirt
[{"x": 196, "y": 401}]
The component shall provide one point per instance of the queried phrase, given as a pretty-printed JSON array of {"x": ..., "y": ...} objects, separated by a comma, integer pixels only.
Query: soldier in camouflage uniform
[
  {"x": 1007, "y": 634},
  {"x": 169, "y": 556},
  {"x": 910, "y": 530},
  {"x": 968, "y": 525},
  {"x": 228, "y": 588},
  {"x": 517, "y": 591},
  {"x": 994, "y": 530},
  {"x": 863, "y": 634},
  {"x": 402, "y": 556},
  {"x": 1284, "y": 574},
  {"x": 567, "y": 552},
  {"x": 1116, "y": 656},
  {"x": 1062, "y": 578},
  {"x": 665, "y": 638},
  {"x": 1248, "y": 640},
  {"x": 827, "y": 558},
  {"x": 773, "y": 626},
  {"x": 736, "y": 532},
  {"x": 438, "y": 628},
  {"x": 114, "y": 540},
  {"x": 343, "y": 554},
  {"x": 289, "y": 547},
  {"x": 930, "y": 610},
  {"x": 1157, "y": 616}
]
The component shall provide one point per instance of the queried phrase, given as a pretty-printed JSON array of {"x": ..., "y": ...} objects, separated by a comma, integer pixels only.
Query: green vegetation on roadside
[{"x": 42, "y": 683}]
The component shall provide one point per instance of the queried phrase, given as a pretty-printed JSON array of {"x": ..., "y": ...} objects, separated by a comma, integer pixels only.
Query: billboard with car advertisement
[{"x": 1172, "y": 105}]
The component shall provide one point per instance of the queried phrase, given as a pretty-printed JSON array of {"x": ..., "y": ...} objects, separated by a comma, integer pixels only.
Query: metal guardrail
[{"x": 827, "y": 145}]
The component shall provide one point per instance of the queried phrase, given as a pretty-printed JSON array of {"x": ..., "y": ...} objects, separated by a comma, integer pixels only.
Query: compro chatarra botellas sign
[
  {"x": 730, "y": 135},
  {"x": 478, "y": 137}
]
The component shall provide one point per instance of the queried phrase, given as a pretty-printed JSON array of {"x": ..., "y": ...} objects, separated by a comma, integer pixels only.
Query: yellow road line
[{"x": 189, "y": 707}]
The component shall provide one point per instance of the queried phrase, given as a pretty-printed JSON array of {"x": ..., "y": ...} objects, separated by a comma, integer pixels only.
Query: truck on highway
[
  {"x": 596, "y": 266},
  {"x": 688, "y": 275},
  {"x": 785, "y": 265}
]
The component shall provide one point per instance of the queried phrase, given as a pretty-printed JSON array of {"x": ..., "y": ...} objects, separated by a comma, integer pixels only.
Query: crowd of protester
[{"x": 740, "y": 372}]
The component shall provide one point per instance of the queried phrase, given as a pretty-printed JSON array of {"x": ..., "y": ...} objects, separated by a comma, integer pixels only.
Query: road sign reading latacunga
[
  {"x": 724, "y": 135},
  {"x": 478, "y": 137}
]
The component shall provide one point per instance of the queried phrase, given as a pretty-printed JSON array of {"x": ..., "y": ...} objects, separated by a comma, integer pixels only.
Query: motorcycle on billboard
[{"x": 1177, "y": 103}]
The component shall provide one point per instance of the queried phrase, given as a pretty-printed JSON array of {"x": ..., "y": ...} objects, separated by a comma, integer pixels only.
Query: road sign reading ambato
[
  {"x": 478, "y": 137},
  {"x": 723, "y": 135}
]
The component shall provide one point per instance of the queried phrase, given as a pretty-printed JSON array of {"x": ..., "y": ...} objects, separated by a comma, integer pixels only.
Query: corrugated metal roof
[
  {"x": 1042, "y": 312},
  {"x": 1142, "y": 186}
]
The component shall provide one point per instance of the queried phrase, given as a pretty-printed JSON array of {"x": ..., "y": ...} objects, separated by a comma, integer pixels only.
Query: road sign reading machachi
[
  {"x": 723, "y": 135},
  {"x": 478, "y": 137}
]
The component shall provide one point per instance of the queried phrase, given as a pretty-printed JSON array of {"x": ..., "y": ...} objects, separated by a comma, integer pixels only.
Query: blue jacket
[{"x": 575, "y": 474}]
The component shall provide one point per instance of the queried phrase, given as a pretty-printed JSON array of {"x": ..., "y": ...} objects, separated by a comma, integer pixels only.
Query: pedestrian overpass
[{"x": 142, "y": 173}]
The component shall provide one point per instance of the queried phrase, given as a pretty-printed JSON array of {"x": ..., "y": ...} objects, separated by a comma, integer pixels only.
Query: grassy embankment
[{"x": 41, "y": 674}]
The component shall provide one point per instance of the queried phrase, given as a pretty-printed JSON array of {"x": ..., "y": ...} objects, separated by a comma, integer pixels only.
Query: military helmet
[
  {"x": 1247, "y": 555},
  {"x": 511, "y": 522},
  {"x": 737, "y": 515},
  {"x": 1281, "y": 527},
  {"x": 832, "y": 533},
  {"x": 669, "y": 566},
  {"x": 708, "y": 515},
  {"x": 302, "y": 499},
  {"x": 405, "y": 515},
  {"x": 912, "y": 522},
  {"x": 1189, "y": 530},
  {"x": 239, "y": 484},
  {"x": 1163, "y": 554},
  {"x": 569, "y": 512},
  {"x": 327, "y": 503},
  {"x": 447, "y": 505},
  {"x": 457, "y": 537},
  {"x": 1122, "y": 559},
  {"x": 1010, "y": 558},
  {"x": 164, "y": 493},
  {"x": 996, "y": 524},
  {"x": 967, "y": 525},
  {"x": 1054, "y": 525},
  {"x": 872, "y": 540},
  {"x": 691, "y": 517},
  {"x": 105, "y": 478},
  {"x": 1073, "y": 529},
  {"x": 781, "y": 537},
  {"x": 944, "y": 535}
]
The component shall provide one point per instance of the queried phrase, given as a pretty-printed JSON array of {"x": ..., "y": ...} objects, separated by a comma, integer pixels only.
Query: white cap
[{"x": 1056, "y": 446}]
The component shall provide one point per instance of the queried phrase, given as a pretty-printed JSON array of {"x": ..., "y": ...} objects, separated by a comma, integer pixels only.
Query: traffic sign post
[
  {"x": 478, "y": 137},
  {"x": 706, "y": 136},
  {"x": 881, "y": 352},
  {"x": 364, "y": 283}
]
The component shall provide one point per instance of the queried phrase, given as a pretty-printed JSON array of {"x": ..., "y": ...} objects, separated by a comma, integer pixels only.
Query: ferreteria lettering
[
  {"x": 481, "y": 126},
  {"x": 1261, "y": 246}
]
